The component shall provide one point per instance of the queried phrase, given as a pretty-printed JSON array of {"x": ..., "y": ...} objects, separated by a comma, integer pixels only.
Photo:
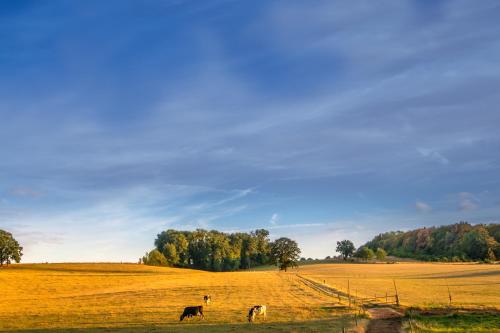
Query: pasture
[
  {"x": 419, "y": 284},
  {"x": 138, "y": 298},
  {"x": 128, "y": 296}
]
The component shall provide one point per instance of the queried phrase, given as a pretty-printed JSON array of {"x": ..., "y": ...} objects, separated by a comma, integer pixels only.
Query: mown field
[
  {"x": 137, "y": 298},
  {"x": 418, "y": 284},
  {"x": 129, "y": 297}
]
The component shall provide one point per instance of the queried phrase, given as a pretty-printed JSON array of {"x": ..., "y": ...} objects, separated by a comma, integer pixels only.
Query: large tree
[
  {"x": 9, "y": 248},
  {"x": 479, "y": 245},
  {"x": 285, "y": 252},
  {"x": 345, "y": 248},
  {"x": 365, "y": 253}
]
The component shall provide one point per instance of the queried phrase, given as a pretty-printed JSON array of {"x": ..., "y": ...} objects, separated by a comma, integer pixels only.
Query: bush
[{"x": 155, "y": 258}]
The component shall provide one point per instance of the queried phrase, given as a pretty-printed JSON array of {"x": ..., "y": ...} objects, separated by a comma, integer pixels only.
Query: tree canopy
[
  {"x": 345, "y": 248},
  {"x": 285, "y": 253},
  {"x": 365, "y": 253},
  {"x": 10, "y": 250},
  {"x": 214, "y": 250},
  {"x": 154, "y": 258},
  {"x": 380, "y": 254},
  {"x": 457, "y": 242}
]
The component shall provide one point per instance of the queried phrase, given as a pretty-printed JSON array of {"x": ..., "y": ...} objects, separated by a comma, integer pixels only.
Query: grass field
[
  {"x": 457, "y": 323},
  {"x": 137, "y": 298},
  {"x": 418, "y": 284},
  {"x": 127, "y": 296}
]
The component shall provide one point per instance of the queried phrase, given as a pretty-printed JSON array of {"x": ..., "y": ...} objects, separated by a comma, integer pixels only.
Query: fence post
[
  {"x": 449, "y": 293},
  {"x": 349, "y": 293},
  {"x": 396, "y": 289},
  {"x": 386, "y": 300}
]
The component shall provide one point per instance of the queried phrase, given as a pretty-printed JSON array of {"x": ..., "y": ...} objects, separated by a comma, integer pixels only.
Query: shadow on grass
[
  {"x": 330, "y": 325},
  {"x": 458, "y": 322}
]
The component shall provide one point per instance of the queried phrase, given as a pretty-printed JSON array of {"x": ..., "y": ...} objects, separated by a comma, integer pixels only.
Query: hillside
[
  {"x": 138, "y": 298},
  {"x": 54, "y": 296},
  {"x": 457, "y": 242}
]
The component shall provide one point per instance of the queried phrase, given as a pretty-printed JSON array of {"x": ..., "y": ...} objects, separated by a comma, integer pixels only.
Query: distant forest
[
  {"x": 457, "y": 242},
  {"x": 218, "y": 251}
]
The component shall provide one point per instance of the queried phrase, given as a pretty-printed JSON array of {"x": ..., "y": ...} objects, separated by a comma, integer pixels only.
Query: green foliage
[
  {"x": 9, "y": 248},
  {"x": 380, "y": 254},
  {"x": 155, "y": 258},
  {"x": 170, "y": 254},
  {"x": 457, "y": 242},
  {"x": 345, "y": 248},
  {"x": 285, "y": 253},
  {"x": 365, "y": 253},
  {"x": 478, "y": 244},
  {"x": 214, "y": 250},
  {"x": 458, "y": 322}
]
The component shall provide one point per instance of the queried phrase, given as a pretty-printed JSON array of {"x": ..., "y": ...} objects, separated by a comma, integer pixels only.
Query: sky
[{"x": 317, "y": 120}]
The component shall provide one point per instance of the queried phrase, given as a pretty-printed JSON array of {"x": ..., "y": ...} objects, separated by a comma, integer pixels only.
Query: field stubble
[
  {"x": 114, "y": 295},
  {"x": 418, "y": 284},
  {"x": 137, "y": 298}
]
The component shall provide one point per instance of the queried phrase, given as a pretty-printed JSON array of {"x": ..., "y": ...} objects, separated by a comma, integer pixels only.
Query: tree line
[
  {"x": 218, "y": 251},
  {"x": 347, "y": 249},
  {"x": 457, "y": 242}
]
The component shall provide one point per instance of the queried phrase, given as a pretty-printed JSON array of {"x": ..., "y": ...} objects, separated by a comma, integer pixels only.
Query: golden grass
[
  {"x": 137, "y": 298},
  {"x": 419, "y": 284},
  {"x": 116, "y": 295}
]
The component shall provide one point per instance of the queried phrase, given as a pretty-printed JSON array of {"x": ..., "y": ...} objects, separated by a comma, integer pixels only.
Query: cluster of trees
[
  {"x": 218, "y": 251},
  {"x": 457, "y": 242},
  {"x": 347, "y": 249},
  {"x": 9, "y": 248}
]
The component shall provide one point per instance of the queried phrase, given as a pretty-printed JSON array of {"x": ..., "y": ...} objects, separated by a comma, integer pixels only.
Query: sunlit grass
[
  {"x": 114, "y": 295},
  {"x": 128, "y": 297},
  {"x": 419, "y": 284}
]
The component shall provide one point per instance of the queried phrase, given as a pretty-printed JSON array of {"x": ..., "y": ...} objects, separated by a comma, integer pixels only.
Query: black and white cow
[
  {"x": 207, "y": 299},
  {"x": 257, "y": 310},
  {"x": 192, "y": 311}
]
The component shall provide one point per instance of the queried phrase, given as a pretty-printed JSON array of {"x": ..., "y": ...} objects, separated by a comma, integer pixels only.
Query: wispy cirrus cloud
[
  {"x": 24, "y": 192},
  {"x": 294, "y": 109},
  {"x": 422, "y": 206},
  {"x": 467, "y": 201},
  {"x": 274, "y": 219}
]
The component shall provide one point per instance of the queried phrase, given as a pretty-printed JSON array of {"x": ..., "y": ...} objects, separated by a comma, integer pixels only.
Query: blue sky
[{"x": 316, "y": 120}]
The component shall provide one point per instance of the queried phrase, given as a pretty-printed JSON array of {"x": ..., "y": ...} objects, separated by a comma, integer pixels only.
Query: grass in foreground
[
  {"x": 88, "y": 296},
  {"x": 457, "y": 323},
  {"x": 136, "y": 298},
  {"x": 312, "y": 326}
]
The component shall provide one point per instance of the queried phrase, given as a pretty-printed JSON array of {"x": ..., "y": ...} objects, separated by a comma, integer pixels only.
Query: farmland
[
  {"x": 138, "y": 298},
  {"x": 418, "y": 284}
]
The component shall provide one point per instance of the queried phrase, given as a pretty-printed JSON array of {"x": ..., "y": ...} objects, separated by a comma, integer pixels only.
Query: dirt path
[{"x": 384, "y": 320}]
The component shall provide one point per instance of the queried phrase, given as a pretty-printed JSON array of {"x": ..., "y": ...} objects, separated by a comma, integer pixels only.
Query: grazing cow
[
  {"x": 191, "y": 311},
  {"x": 207, "y": 299},
  {"x": 257, "y": 310}
]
